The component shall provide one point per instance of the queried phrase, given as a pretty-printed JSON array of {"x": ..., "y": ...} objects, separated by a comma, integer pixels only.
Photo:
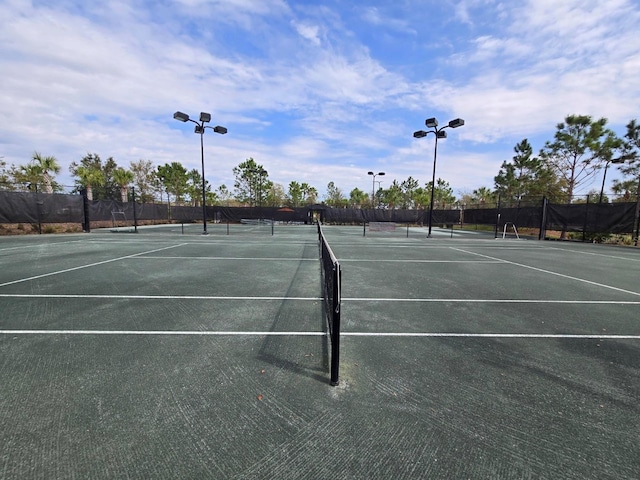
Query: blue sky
[{"x": 314, "y": 91}]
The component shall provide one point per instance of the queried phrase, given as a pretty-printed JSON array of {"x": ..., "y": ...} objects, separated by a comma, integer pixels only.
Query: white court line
[
  {"x": 378, "y": 260},
  {"x": 315, "y": 299},
  {"x": 39, "y": 245},
  {"x": 551, "y": 273},
  {"x": 66, "y": 270},
  {"x": 268, "y": 259},
  {"x": 485, "y": 300},
  {"x": 491, "y": 335},
  {"x": 152, "y": 297},
  {"x": 159, "y": 332},
  {"x": 198, "y": 333},
  {"x": 596, "y": 254}
]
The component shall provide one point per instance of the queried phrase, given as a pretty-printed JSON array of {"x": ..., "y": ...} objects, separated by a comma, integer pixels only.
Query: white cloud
[
  {"x": 309, "y": 32},
  {"x": 106, "y": 78}
]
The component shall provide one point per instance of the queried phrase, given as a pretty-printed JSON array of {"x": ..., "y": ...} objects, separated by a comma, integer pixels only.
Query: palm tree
[
  {"x": 123, "y": 178},
  {"x": 484, "y": 195},
  {"x": 46, "y": 165},
  {"x": 29, "y": 174},
  {"x": 310, "y": 193},
  {"x": 88, "y": 178}
]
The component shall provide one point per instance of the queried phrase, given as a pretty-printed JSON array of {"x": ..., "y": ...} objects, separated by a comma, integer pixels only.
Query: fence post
[
  {"x": 135, "y": 213},
  {"x": 495, "y": 232},
  {"x": 586, "y": 220},
  {"x": 636, "y": 220},
  {"x": 86, "y": 225},
  {"x": 543, "y": 220},
  {"x": 38, "y": 212}
]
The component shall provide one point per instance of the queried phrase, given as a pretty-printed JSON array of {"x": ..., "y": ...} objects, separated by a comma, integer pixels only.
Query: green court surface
[{"x": 168, "y": 354}]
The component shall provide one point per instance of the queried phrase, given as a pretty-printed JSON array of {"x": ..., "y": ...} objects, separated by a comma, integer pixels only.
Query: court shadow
[{"x": 305, "y": 355}]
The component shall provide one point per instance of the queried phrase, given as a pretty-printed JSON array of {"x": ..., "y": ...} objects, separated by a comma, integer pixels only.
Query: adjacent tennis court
[{"x": 168, "y": 354}]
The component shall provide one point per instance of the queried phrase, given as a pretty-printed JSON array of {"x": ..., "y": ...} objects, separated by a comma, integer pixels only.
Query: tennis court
[{"x": 168, "y": 354}]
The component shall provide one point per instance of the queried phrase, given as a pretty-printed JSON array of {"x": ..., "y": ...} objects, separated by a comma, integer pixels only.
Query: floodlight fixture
[
  {"x": 199, "y": 129},
  {"x": 183, "y": 117},
  {"x": 373, "y": 187},
  {"x": 439, "y": 133},
  {"x": 604, "y": 177}
]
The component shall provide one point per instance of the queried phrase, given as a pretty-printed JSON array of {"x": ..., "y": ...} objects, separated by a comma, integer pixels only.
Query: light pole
[
  {"x": 373, "y": 187},
  {"x": 200, "y": 126},
  {"x": 439, "y": 133},
  {"x": 604, "y": 177}
]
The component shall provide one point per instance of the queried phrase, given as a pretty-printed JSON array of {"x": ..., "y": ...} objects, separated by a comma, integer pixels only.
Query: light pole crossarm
[
  {"x": 373, "y": 186},
  {"x": 200, "y": 127},
  {"x": 432, "y": 123}
]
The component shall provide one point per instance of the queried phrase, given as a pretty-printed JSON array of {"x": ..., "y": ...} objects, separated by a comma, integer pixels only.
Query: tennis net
[{"x": 331, "y": 285}]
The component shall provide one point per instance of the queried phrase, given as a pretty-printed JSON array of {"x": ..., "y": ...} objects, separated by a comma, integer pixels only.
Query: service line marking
[
  {"x": 66, "y": 270},
  {"x": 152, "y": 297},
  {"x": 551, "y": 272},
  {"x": 221, "y": 333}
]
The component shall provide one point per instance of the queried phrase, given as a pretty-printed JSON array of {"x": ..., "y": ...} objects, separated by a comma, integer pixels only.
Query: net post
[
  {"x": 332, "y": 290},
  {"x": 335, "y": 330}
]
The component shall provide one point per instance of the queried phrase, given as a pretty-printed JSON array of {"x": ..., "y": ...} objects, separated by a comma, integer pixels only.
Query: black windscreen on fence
[
  {"x": 28, "y": 207},
  {"x": 237, "y": 214},
  {"x": 592, "y": 217},
  {"x": 530, "y": 217},
  {"x": 39, "y": 208},
  {"x": 358, "y": 216}
]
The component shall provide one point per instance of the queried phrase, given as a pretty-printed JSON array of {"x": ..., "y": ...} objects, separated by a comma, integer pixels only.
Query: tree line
[{"x": 581, "y": 147}]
